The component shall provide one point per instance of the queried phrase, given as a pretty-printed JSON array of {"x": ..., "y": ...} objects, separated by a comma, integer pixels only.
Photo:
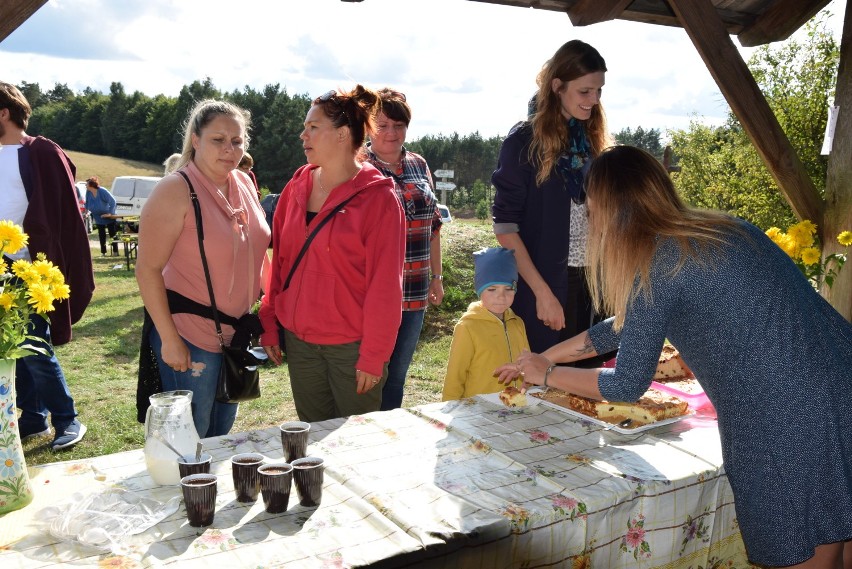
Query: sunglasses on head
[{"x": 329, "y": 96}]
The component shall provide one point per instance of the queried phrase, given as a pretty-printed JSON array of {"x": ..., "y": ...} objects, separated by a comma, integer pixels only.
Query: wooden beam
[
  {"x": 587, "y": 12},
  {"x": 737, "y": 84},
  {"x": 781, "y": 18},
  {"x": 13, "y": 13},
  {"x": 838, "y": 185}
]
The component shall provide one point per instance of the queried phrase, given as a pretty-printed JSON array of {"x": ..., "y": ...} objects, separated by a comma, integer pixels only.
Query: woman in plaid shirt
[{"x": 421, "y": 275}]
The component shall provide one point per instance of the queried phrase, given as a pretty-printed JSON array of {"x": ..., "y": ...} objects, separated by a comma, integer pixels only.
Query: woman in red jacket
[{"x": 339, "y": 310}]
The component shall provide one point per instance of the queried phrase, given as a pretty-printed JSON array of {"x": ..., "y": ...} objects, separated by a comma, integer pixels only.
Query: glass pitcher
[{"x": 168, "y": 422}]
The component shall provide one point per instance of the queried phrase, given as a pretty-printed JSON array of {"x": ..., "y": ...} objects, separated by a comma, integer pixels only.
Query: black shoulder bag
[{"x": 239, "y": 378}]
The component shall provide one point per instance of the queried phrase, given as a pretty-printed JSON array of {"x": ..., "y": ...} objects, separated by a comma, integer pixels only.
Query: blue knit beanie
[{"x": 495, "y": 265}]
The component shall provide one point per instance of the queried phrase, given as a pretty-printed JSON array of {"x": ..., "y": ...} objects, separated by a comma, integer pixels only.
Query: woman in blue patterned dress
[{"x": 773, "y": 356}]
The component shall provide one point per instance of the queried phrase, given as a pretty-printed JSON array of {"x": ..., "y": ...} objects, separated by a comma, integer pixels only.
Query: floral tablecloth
[{"x": 468, "y": 483}]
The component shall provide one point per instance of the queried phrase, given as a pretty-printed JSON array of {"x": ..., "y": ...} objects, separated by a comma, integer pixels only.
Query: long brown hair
[
  {"x": 632, "y": 205},
  {"x": 550, "y": 132}
]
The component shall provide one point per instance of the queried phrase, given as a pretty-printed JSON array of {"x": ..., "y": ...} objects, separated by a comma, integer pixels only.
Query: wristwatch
[{"x": 439, "y": 277}]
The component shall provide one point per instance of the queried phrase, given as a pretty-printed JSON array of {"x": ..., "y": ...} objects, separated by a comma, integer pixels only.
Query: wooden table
[{"x": 468, "y": 483}]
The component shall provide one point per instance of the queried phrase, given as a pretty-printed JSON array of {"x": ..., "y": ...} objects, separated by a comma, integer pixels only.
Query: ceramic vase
[{"x": 15, "y": 489}]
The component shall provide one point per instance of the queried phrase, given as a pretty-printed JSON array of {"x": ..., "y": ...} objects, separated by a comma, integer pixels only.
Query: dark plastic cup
[
  {"x": 188, "y": 465},
  {"x": 308, "y": 475},
  {"x": 294, "y": 439},
  {"x": 275, "y": 482},
  {"x": 246, "y": 479},
  {"x": 199, "y": 496}
]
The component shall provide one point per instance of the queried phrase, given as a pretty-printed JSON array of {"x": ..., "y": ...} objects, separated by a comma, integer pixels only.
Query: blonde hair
[
  {"x": 170, "y": 164},
  {"x": 633, "y": 205},
  {"x": 550, "y": 130},
  {"x": 202, "y": 115}
]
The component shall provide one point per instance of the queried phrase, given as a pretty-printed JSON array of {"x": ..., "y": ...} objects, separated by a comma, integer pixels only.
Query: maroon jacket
[{"x": 55, "y": 227}]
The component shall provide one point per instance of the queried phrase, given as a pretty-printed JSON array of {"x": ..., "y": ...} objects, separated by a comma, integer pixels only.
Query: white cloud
[{"x": 465, "y": 66}]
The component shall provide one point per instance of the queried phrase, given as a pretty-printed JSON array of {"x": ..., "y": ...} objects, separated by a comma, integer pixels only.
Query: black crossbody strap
[
  {"x": 310, "y": 238},
  {"x": 199, "y": 229}
]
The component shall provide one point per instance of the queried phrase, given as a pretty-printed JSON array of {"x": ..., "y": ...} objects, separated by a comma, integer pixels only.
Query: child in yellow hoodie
[{"x": 489, "y": 334}]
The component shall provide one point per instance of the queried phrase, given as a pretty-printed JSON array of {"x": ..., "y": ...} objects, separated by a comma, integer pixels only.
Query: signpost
[{"x": 444, "y": 185}]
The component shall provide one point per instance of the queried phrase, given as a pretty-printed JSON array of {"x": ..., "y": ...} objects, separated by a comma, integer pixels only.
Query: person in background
[
  {"x": 185, "y": 344},
  {"x": 539, "y": 205},
  {"x": 246, "y": 165},
  {"x": 341, "y": 310},
  {"x": 489, "y": 333},
  {"x": 101, "y": 203},
  {"x": 37, "y": 184},
  {"x": 421, "y": 274},
  {"x": 170, "y": 164},
  {"x": 772, "y": 355}
]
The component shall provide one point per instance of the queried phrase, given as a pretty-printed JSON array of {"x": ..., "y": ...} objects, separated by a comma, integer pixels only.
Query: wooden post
[
  {"x": 732, "y": 75},
  {"x": 838, "y": 187},
  {"x": 13, "y": 14}
]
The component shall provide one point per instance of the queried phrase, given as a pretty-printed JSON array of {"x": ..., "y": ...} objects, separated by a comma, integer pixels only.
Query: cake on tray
[
  {"x": 653, "y": 406},
  {"x": 671, "y": 366}
]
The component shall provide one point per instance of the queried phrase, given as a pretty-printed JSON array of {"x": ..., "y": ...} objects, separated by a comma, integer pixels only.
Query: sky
[{"x": 464, "y": 66}]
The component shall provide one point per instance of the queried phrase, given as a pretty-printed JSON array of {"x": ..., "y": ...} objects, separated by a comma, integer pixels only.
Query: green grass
[
  {"x": 101, "y": 362},
  {"x": 107, "y": 168}
]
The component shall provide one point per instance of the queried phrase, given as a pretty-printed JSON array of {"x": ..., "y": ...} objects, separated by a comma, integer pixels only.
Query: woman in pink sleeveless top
[{"x": 235, "y": 242}]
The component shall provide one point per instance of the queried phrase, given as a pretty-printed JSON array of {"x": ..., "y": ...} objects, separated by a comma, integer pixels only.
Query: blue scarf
[{"x": 573, "y": 164}]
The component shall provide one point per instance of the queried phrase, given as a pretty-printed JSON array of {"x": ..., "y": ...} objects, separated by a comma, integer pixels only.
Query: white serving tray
[{"x": 494, "y": 398}]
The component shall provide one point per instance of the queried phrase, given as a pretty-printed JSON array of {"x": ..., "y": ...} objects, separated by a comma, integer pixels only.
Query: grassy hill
[{"x": 107, "y": 168}]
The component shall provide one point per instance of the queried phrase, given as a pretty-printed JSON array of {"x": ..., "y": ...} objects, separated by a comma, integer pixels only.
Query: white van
[{"x": 131, "y": 193}]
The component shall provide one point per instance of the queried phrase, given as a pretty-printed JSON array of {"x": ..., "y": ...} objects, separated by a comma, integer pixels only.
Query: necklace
[
  {"x": 319, "y": 179},
  {"x": 393, "y": 165}
]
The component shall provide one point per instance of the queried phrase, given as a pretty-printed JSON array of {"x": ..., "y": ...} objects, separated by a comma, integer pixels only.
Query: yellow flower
[
  {"x": 773, "y": 233},
  {"x": 810, "y": 255},
  {"x": 25, "y": 288},
  {"x": 60, "y": 291},
  {"x": 40, "y": 297},
  {"x": 24, "y": 271},
  {"x": 802, "y": 233},
  {"x": 42, "y": 269},
  {"x": 845, "y": 238},
  {"x": 808, "y": 225},
  {"x": 12, "y": 237},
  {"x": 788, "y": 245},
  {"x": 6, "y": 300}
]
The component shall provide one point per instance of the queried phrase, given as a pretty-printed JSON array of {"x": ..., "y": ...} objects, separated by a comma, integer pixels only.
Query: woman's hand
[
  {"x": 175, "y": 354},
  {"x": 274, "y": 353},
  {"x": 529, "y": 367},
  {"x": 365, "y": 381},
  {"x": 436, "y": 291},
  {"x": 549, "y": 311}
]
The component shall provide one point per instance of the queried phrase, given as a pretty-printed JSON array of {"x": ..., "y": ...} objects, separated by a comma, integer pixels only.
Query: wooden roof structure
[
  {"x": 754, "y": 22},
  {"x": 710, "y": 25}
]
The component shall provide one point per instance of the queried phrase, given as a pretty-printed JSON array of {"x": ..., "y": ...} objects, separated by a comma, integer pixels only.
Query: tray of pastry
[{"x": 653, "y": 410}]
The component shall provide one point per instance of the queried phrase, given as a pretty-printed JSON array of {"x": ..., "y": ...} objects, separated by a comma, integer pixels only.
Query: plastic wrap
[{"x": 104, "y": 519}]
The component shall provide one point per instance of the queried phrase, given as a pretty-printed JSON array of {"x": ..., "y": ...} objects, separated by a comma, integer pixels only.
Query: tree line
[
  {"x": 719, "y": 168},
  {"x": 139, "y": 127}
]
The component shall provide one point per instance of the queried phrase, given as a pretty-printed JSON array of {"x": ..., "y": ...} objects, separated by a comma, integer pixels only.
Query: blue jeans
[
  {"x": 403, "y": 351},
  {"x": 40, "y": 385},
  {"x": 211, "y": 418}
]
